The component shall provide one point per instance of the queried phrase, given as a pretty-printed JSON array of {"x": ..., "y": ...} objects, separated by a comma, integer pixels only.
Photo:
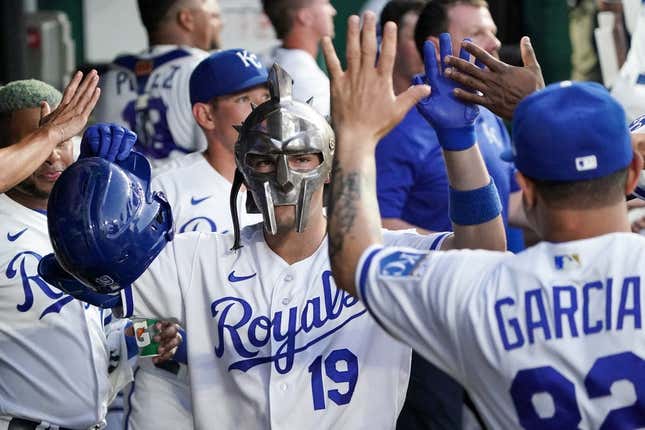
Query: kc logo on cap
[{"x": 249, "y": 59}]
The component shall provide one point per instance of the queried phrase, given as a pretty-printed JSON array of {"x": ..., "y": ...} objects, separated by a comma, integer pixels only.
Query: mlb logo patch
[
  {"x": 401, "y": 264},
  {"x": 567, "y": 262},
  {"x": 586, "y": 163}
]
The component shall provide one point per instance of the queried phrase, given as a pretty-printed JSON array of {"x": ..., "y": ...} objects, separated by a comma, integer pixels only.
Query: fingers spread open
[
  {"x": 411, "y": 97},
  {"x": 445, "y": 48},
  {"x": 430, "y": 61},
  {"x": 484, "y": 57},
  {"x": 70, "y": 90},
  {"x": 368, "y": 40},
  {"x": 468, "y": 97},
  {"x": 353, "y": 45},
  {"x": 331, "y": 59},
  {"x": 466, "y": 80},
  {"x": 388, "y": 49}
]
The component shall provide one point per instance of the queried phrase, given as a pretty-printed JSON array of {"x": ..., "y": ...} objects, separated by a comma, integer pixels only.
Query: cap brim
[
  {"x": 250, "y": 83},
  {"x": 507, "y": 155}
]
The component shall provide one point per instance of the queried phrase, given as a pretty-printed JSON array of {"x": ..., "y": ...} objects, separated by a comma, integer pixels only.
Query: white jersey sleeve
[
  {"x": 420, "y": 297},
  {"x": 159, "y": 292}
]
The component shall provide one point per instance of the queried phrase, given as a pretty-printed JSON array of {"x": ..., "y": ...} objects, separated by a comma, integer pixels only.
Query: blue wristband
[
  {"x": 475, "y": 206},
  {"x": 457, "y": 139}
]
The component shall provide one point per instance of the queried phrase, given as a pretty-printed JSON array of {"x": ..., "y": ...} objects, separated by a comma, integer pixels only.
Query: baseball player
[
  {"x": 197, "y": 186},
  {"x": 61, "y": 361},
  {"x": 55, "y": 351},
  {"x": 548, "y": 338},
  {"x": 20, "y": 160},
  {"x": 273, "y": 342},
  {"x": 148, "y": 92}
]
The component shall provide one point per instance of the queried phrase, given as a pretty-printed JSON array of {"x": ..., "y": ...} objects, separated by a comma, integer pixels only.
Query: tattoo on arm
[{"x": 345, "y": 194}]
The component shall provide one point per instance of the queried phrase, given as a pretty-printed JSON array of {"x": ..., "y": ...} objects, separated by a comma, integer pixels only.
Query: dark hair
[
  {"x": 433, "y": 19},
  {"x": 152, "y": 12},
  {"x": 280, "y": 13},
  {"x": 394, "y": 10},
  {"x": 591, "y": 193}
]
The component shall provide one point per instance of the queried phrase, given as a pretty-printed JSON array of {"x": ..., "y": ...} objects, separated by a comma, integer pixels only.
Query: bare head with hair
[
  {"x": 460, "y": 18},
  {"x": 194, "y": 23}
]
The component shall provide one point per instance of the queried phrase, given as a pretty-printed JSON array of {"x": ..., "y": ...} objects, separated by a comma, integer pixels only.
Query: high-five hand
[{"x": 363, "y": 99}]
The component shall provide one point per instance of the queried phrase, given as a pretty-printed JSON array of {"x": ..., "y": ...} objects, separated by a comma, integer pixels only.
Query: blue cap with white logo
[
  {"x": 226, "y": 72},
  {"x": 570, "y": 131}
]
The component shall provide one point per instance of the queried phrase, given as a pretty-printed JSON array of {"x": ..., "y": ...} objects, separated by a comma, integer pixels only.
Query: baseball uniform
[
  {"x": 54, "y": 351},
  {"x": 274, "y": 345},
  {"x": 538, "y": 339},
  {"x": 198, "y": 195},
  {"x": 148, "y": 93},
  {"x": 308, "y": 80}
]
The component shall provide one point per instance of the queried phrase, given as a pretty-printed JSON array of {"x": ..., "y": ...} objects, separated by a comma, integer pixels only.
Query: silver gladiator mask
[{"x": 276, "y": 131}]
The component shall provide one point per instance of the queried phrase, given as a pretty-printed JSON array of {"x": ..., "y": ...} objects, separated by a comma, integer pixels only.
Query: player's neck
[
  {"x": 400, "y": 82},
  {"x": 303, "y": 40},
  {"x": 222, "y": 160},
  {"x": 170, "y": 38},
  {"x": 27, "y": 201},
  {"x": 564, "y": 225},
  {"x": 292, "y": 246}
]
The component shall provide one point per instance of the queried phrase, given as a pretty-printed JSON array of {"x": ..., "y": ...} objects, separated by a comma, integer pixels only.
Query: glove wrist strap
[{"x": 457, "y": 139}]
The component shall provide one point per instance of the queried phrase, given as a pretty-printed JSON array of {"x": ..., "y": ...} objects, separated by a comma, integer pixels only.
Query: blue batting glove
[
  {"x": 109, "y": 141},
  {"x": 452, "y": 119}
]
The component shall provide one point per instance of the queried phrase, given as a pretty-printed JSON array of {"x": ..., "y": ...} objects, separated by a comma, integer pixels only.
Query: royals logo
[
  {"x": 25, "y": 264},
  {"x": 295, "y": 330}
]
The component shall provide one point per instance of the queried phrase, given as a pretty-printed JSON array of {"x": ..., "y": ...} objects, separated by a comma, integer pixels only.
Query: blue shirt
[{"x": 412, "y": 183}]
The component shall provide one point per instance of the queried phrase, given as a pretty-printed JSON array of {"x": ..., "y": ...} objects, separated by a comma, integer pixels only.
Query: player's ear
[
  {"x": 203, "y": 115},
  {"x": 529, "y": 195},
  {"x": 633, "y": 172},
  {"x": 185, "y": 19},
  {"x": 304, "y": 16}
]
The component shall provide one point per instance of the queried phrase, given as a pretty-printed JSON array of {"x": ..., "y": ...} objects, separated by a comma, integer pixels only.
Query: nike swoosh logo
[
  {"x": 233, "y": 278},
  {"x": 194, "y": 201},
  {"x": 14, "y": 237}
]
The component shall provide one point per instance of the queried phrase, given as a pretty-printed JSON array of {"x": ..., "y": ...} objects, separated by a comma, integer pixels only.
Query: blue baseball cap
[
  {"x": 570, "y": 131},
  {"x": 226, "y": 72}
]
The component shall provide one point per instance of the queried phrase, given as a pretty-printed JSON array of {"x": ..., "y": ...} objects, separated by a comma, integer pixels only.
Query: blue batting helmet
[{"x": 105, "y": 225}]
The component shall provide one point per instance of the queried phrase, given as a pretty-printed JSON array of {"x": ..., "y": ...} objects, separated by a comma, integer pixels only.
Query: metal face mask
[{"x": 276, "y": 131}]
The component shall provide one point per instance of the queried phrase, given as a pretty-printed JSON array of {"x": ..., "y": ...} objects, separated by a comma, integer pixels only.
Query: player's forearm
[
  {"x": 466, "y": 172},
  {"x": 20, "y": 160},
  {"x": 354, "y": 222}
]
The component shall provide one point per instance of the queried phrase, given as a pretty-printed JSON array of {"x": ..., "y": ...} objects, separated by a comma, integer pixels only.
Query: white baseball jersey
[
  {"x": 550, "y": 338},
  {"x": 54, "y": 355},
  {"x": 149, "y": 93},
  {"x": 308, "y": 79},
  {"x": 629, "y": 86},
  {"x": 199, "y": 198},
  {"x": 274, "y": 345}
]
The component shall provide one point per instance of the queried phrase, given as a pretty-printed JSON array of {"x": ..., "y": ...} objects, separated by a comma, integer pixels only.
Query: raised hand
[
  {"x": 501, "y": 86},
  {"x": 78, "y": 101},
  {"x": 109, "y": 141},
  {"x": 442, "y": 109},
  {"x": 362, "y": 97}
]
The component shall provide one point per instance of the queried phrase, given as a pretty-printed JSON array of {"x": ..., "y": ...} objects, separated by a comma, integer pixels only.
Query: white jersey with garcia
[
  {"x": 274, "y": 345},
  {"x": 149, "y": 93},
  {"x": 550, "y": 338},
  {"x": 54, "y": 353}
]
